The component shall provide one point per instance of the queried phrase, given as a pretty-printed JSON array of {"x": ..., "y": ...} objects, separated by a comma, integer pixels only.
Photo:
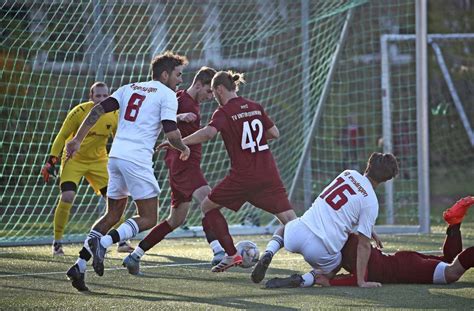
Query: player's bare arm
[
  {"x": 107, "y": 105},
  {"x": 363, "y": 255},
  {"x": 272, "y": 133},
  {"x": 173, "y": 135},
  {"x": 186, "y": 117},
  {"x": 377, "y": 239},
  {"x": 201, "y": 136}
]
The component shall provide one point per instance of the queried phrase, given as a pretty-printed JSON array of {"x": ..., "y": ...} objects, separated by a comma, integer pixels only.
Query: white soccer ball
[{"x": 249, "y": 252}]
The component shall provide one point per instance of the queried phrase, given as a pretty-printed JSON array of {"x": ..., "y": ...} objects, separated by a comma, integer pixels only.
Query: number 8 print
[{"x": 133, "y": 106}]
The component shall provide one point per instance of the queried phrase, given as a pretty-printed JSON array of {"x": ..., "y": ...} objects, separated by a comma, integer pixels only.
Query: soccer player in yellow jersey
[{"x": 90, "y": 162}]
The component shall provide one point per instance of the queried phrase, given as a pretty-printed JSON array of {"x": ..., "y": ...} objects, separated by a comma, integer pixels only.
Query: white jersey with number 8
[
  {"x": 347, "y": 203},
  {"x": 143, "y": 105}
]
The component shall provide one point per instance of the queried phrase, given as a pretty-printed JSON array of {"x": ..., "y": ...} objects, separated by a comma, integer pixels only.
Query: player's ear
[
  {"x": 198, "y": 85},
  {"x": 164, "y": 76}
]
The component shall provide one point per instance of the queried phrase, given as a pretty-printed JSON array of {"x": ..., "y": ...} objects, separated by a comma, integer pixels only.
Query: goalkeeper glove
[{"x": 49, "y": 168}]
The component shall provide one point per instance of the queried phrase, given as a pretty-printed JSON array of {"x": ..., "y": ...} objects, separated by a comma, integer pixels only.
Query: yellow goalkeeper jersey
[{"x": 93, "y": 147}]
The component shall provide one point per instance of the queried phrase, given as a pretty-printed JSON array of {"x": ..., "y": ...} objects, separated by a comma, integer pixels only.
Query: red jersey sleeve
[
  {"x": 218, "y": 120},
  {"x": 344, "y": 280},
  {"x": 267, "y": 122}
]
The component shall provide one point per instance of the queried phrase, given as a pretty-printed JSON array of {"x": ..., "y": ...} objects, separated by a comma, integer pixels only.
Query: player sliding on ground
[
  {"x": 407, "y": 267},
  {"x": 185, "y": 177},
  {"x": 253, "y": 176},
  {"x": 144, "y": 108},
  {"x": 349, "y": 201}
]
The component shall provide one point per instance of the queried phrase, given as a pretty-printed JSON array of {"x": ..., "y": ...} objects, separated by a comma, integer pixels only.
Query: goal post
[{"x": 389, "y": 57}]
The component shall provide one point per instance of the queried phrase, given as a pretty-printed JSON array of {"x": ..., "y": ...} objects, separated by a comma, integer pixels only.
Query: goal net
[{"x": 314, "y": 65}]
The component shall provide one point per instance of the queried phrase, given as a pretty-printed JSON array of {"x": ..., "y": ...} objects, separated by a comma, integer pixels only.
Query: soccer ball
[{"x": 249, "y": 252}]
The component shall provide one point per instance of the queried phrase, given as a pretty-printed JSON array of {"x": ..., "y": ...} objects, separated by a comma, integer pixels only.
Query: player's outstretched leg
[
  {"x": 221, "y": 230},
  {"x": 98, "y": 255},
  {"x": 227, "y": 262},
  {"x": 77, "y": 277},
  {"x": 132, "y": 263},
  {"x": 216, "y": 247},
  {"x": 258, "y": 273},
  {"x": 455, "y": 214},
  {"x": 276, "y": 242}
]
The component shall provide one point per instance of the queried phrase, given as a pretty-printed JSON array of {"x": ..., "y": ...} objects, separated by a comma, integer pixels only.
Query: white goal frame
[{"x": 432, "y": 40}]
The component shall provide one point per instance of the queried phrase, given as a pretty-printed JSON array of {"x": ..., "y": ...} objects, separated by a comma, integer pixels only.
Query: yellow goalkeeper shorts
[{"x": 95, "y": 173}]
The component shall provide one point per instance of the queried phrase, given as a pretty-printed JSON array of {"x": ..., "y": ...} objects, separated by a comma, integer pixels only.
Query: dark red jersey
[
  {"x": 401, "y": 267},
  {"x": 186, "y": 104},
  {"x": 243, "y": 125}
]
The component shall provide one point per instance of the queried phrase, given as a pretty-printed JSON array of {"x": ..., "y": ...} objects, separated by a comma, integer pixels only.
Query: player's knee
[
  {"x": 207, "y": 206},
  {"x": 451, "y": 277},
  {"x": 452, "y": 273},
  {"x": 68, "y": 196},
  {"x": 286, "y": 216},
  {"x": 175, "y": 221}
]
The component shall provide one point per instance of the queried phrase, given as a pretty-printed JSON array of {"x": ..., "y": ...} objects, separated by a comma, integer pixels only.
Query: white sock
[
  {"x": 82, "y": 264},
  {"x": 127, "y": 230},
  {"x": 138, "y": 252},
  {"x": 106, "y": 241},
  {"x": 216, "y": 247},
  {"x": 274, "y": 245},
  {"x": 308, "y": 279}
]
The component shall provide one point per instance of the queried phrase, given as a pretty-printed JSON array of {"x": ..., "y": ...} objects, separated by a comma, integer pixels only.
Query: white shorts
[
  {"x": 128, "y": 178},
  {"x": 300, "y": 239}
]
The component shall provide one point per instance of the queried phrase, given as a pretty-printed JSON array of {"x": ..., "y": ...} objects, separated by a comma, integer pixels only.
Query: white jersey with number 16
[
  {"x": 143, "y": 105},
  {"x": 347, "y": 203}
]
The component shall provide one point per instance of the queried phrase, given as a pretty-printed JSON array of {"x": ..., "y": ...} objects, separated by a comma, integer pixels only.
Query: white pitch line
[
  {"x": 107, "y": 269},
  {"x": 167, "y": 265},
  {"x": 141, "y": 267}
]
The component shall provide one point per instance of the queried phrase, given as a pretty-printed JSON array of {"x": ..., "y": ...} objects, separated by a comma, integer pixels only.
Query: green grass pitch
[{"x": 177, "y": 276}]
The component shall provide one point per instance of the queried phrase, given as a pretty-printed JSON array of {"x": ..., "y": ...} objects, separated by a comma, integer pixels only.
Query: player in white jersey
[
  {"x": 145, "y": 107},
  {"x": 348, "y": 203}
]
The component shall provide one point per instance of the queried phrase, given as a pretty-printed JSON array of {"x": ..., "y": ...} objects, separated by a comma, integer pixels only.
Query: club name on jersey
[
  {"x": 246, "y": 114},
  {"x": 143, "y": 88},
  {"x": 358, "y": 186}
]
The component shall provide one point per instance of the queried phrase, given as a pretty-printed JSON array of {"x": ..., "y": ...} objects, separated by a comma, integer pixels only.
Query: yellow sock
[
  {"x": 122, "y": 219},
  {"x": 61, "y": 217}
]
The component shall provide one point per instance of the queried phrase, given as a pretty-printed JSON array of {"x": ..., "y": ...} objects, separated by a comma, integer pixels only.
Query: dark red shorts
[
  {"x": 415, "y": 268},
  {"x": 408, "y": 268},
  {"x": 184, "y": 180},
  {"x": 232, "y": 192}
]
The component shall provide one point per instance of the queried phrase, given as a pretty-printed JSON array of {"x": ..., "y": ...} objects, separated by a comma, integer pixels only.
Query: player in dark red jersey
[
  {"x": 407, "y": 267},
  {"x": 253, "y": 176},
  {"x": 186, "y": 178}
]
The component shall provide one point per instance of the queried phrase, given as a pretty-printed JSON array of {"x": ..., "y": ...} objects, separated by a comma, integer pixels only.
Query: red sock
[
  {"x": 217, "y": 223},
  {"x": 206, "y": 226},
  {"x": 452, "y": 244},
  {"x": 466, "y": 258},
  {"x": 156, "y": 234}
]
